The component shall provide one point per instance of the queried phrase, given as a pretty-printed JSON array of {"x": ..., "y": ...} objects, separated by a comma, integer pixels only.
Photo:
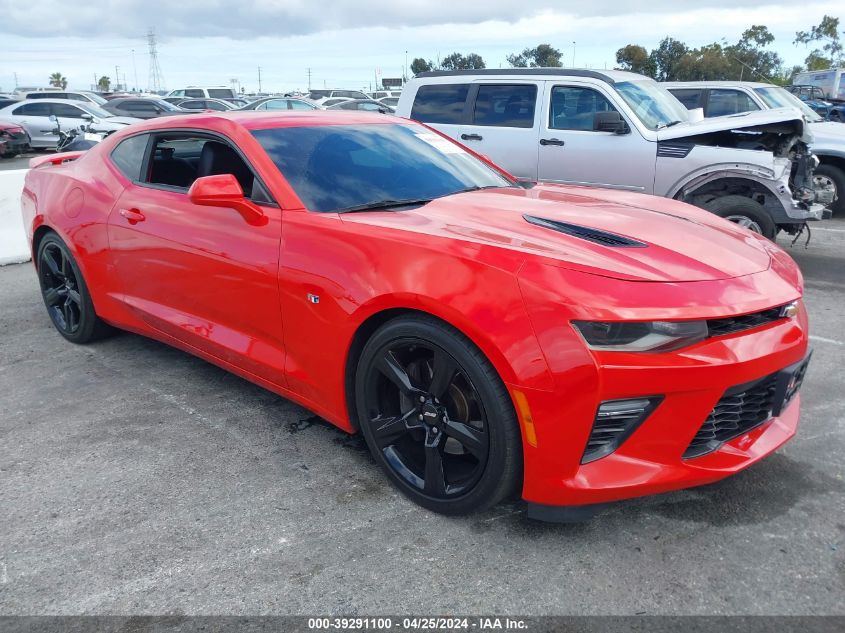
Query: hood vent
[{"x": 605, "y": 238}]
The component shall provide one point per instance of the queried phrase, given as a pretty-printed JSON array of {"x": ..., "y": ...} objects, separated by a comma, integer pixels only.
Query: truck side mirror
[{"x": 610, "y": 122}]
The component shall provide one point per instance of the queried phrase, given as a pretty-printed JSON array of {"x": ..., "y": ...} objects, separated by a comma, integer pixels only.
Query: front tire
[
  {"x": 830, "y": 176},
  {"x": 65, "y": 293},
  {"x": 745, "y": 212},
  {"x": 437, "y": 417}
]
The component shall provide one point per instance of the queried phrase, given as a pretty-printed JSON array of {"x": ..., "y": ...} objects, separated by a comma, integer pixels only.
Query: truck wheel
[
  {"x": 831, "y": 177},
  {"x": 745, "y": 212}
]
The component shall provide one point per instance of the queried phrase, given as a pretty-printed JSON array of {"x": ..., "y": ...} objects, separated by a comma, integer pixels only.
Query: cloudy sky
[{"x": 346, "y": 42}]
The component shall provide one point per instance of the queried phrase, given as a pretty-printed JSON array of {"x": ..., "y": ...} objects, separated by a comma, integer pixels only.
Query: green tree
[
  {"x": 749, "y": 58},
  {"x": 419, "y": 65},
  {"x": 457, "y": 61},
  {"x": 666, "y": 58},
  {"x": 103, "y": 83},
  {"x": 634, "y": 58},
  {"x": 825, "y": 33},
  {"x": 58, "y": 80},
  {"x": 542, "y": 56}
]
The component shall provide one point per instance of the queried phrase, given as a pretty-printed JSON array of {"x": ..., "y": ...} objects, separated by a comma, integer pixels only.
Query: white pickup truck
[{"x": 622, "y": 130}]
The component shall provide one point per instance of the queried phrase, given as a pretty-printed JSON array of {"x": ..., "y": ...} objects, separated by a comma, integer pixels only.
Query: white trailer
[{"x": 832, "y": 82}]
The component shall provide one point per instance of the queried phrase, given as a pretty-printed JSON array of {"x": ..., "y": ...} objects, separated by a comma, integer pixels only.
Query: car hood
[
  {"x": 679, "y": 243},
  {"x": 828, "y": 133},
  {"x": 757, "y": 119},
  {"x": 118, "y": 121}
]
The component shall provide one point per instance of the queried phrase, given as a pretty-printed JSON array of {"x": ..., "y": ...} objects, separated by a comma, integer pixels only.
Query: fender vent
[
  {"x": 605, "y": 238},
  {"x": 673, "y": 150}
]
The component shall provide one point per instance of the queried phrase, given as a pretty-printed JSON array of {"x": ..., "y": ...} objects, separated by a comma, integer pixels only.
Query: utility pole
[
  {"x": 573, "y": 54},
  {"x": 259, "y": 79},
  {"x": 405, "y": 71},
  {"x": 135, "y": 68},
  {"x": 116, "y": 78},
  {"x": 156, "y": 80},
  {"x": 96, "y": 84},
  {"x": 16, "y": 79},
  {"x": 309, "y": 80}
]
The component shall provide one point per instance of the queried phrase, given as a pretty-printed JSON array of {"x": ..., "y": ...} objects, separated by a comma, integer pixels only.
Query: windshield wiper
[
  {"x": 384, "y": 204},
  {"x": 480, "y": 188},
  {"x": 670, "y": 124}
]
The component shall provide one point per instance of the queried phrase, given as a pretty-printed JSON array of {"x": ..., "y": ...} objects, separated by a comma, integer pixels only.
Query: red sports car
[{"x": 487, "y": 336}]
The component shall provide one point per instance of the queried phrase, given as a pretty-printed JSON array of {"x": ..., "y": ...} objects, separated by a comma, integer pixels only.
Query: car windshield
[
  {"x": 654, "y": 105},
  {"x": 777, "y": 97},
  {"x": 166, "y": 105},
  {"x": 341, "y": 167},
  {"x": 96, "y": 98},
  {"x": 94, "y": 110}
]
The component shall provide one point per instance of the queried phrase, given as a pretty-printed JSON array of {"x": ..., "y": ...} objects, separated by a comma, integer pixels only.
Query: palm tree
[
  {"x": 58, "y": 80},
  {"x": 103, "y": 83}
]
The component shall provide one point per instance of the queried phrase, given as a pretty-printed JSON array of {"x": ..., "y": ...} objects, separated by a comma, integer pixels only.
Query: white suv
[
  {"x": 203, "y": 92},
  {"x": 622, "y": 130}
]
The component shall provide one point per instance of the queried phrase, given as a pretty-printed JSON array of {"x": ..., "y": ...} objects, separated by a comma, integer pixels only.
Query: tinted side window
[
  {"x": 194, "y": 92},
  {"x": 129, "y": 155},
  {"x": 274, "y": 104},
  {"x": 505, "y": 106},
  {"x": 46, "y": 95},
  {"x": 690, "y": 97},
  {"x": 440, "y": 103},
  {"x": 215, "y": 105},
  {"x": 573, "y": 107},
  {"x": 723, "y": 102},
  {"x": 139, "y": 106},
  {"x": 66, "y": 110},
  {"x": 299, "y": 105},
  {"x": 33, "y": 109},
  {"x": 76, "y": 97}
]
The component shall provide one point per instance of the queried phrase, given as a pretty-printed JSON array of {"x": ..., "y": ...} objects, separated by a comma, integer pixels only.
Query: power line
[{"x": 156, "y": 82}]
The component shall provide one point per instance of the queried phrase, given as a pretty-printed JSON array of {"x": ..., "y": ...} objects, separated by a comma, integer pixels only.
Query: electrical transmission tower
[{"x": 156, "y": 82}]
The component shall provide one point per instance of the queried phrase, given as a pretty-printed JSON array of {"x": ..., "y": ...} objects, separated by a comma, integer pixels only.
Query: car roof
[
  {"x": 716, "y": 84},
  {"x": 74, "y": 102},
  {"x": 609, "y": 76}
]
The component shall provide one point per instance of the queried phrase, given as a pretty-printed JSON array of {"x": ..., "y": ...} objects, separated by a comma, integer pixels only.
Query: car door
[
  {"x": 34, "y": 117},
  {"x": 204, "y": 275},
  {"x": 572, "y": 151},
  {"x": 501, "y": 123},
  {"x": 69, "y": 115},
  {"x": 140, "y": 109}
]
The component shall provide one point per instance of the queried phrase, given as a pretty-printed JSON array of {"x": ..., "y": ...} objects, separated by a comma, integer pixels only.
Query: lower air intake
[{"x": 615, "y": 421}]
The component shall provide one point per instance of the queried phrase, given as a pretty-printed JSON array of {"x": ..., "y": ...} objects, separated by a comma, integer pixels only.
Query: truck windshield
[
  {"x": 654, "y": 106},
  {"x": 777, "y": 97}
]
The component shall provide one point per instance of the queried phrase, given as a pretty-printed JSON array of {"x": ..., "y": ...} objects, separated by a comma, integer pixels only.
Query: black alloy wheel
[
  {"x": 65, "y": 293},
  {"x": 437, "y": 417}
]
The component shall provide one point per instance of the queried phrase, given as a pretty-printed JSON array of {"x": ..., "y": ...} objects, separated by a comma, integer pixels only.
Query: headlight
[{"x": 641, "y": 336}]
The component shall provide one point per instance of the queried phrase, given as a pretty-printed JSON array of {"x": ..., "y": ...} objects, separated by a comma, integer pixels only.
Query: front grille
[
  {"x": 729, "y": 325},
  {"x": 740, "y": 410}
]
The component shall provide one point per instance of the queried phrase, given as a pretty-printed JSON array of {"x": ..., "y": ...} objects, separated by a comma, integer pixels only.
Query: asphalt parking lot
[{"x": 135, "y": 478}]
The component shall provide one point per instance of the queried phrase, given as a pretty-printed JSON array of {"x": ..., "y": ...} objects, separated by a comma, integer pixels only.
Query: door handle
[
  {"x": 551, "y": 141},
  {"x": 471, "y": 137},
  {"x": 133, "y": 215}
]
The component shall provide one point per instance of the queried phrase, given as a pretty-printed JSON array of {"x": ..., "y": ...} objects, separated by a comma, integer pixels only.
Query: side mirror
[
  {"x": 88, "y": 117},
  {"x": 610, "y": 122},
  {"x": 224, "y": 190},
  {"x": 53, "y": 118},
  {"x": 696, "y": 115}
]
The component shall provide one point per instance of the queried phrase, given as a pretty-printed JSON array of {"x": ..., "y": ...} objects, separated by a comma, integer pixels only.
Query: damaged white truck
[{"x": 624, "y": 131}]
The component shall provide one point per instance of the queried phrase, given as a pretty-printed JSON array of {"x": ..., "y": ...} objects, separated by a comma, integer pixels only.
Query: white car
[
  {"x": 72, "y": 95},
  {"x": 321, "y": 96},
  {"x": 624, "y": 131},
  {"x": 203, "y": 92},
  {"x": 378, "y": 95},
  {"x": 34, "y": 117},
  {"x": 727, "y": 98}
]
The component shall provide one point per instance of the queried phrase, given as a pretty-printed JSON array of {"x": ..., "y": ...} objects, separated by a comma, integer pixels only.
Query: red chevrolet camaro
[{"x": 488, "y": 337}]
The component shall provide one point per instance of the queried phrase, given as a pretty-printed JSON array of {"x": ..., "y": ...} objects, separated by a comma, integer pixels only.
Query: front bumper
[
  {"x": 691, "y": 381},
  {"x": 14, "y": 143}
]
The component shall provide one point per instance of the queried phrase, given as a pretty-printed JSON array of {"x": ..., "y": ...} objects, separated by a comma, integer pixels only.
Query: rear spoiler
[{"x": 54, "y": 159}]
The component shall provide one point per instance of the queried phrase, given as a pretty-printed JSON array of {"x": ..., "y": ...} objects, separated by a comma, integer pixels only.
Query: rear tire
[
  {"x": 745, "y": 212},
  {"x": 437, "y": 417},
  {"x": 832, "y": 176},
  {"x": 65, "y": 293}
]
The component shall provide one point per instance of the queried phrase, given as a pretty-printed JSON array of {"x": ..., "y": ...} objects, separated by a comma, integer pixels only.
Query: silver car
[{"x": 34, "y": 117}]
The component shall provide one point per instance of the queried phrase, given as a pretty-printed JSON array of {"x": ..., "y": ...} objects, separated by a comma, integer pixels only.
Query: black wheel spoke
[
  {"x": 52, "y": 265},
  {"x": 52, "y": 296},
  {"x": 69, "y": 314},
  {"x": 393, "y": 370},
  {"x": 387, "y": 430},
  {"x": 73, "y": 295},
  {"x": 435, "y": 478},
  {"x": 65, "y": 266},
  {"x": 470, "y": 438},
  {"x": 444, "y": 370}
]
